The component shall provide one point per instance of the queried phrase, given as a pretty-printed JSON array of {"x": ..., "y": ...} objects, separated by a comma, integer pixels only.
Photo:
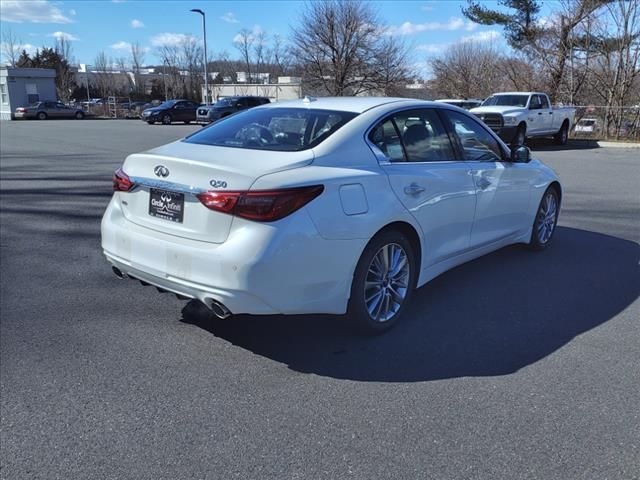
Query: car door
[
  {"x": 502, "y": 187},
  {"x": 50, "y": 109},
  {"x": 416, "y": 153},
  {"x": 536, "y": 118},
  {"x": 179, "y": 112},
  {"x": 547, "y": 114},
  {"x": 63, "y": 111}
]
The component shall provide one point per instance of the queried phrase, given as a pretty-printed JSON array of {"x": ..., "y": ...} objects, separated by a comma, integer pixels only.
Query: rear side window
[
  {"x": 278, "y": 129},
  {"x": 420, "y": 133}
]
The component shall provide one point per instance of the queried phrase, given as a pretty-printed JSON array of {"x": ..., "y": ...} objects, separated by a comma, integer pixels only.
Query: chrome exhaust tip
[
  {"x": 118, "y": 273},
  {"x": 219, "y": 310}
]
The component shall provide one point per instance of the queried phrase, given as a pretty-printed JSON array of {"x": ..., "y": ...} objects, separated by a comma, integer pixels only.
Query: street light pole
[{"x": 204, "y": 36}]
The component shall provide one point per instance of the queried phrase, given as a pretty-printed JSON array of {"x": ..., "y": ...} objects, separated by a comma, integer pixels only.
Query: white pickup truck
[{"x": 515, "y": 116}]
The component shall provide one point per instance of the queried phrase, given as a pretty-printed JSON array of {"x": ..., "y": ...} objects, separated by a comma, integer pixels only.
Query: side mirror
[{"x": 520, "y": 154}]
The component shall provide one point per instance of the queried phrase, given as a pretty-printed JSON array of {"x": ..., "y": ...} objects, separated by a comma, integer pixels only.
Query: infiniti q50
[{"x": 328, "y": 205}]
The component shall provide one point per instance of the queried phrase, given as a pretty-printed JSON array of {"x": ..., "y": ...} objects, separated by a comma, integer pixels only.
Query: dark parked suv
[
  {"x": 226, "y": 106},
  {"x": 171, "y": 111}
]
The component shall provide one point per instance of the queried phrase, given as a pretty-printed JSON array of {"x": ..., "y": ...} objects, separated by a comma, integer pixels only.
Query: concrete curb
[{"x": 618, "y": 144}]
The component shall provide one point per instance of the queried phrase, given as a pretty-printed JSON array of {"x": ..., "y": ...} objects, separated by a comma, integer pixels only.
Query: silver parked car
[{"x": 49, "y": 109}]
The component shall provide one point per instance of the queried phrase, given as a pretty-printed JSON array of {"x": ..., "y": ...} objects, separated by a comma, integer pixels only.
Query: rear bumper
[
  {"x": 279, "y": 268},
  {"x": 24, "y": 115}
]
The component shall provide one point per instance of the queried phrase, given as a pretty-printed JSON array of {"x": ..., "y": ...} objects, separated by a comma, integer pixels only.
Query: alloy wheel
[
  {"x": 386, "y": 283},
  {"x": 547, "y": 218}
]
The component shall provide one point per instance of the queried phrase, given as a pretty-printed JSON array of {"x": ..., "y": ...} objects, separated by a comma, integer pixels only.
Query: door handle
[
  {"x": 413, "y": 189},
  {"x": 539, "y": 113}
]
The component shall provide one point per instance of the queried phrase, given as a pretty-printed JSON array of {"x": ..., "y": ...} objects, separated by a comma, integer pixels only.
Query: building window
[{"x": 4, "y": 97}]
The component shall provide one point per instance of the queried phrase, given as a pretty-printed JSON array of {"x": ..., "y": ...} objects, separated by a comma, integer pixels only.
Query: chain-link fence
[{"x": 607, "y": 123}]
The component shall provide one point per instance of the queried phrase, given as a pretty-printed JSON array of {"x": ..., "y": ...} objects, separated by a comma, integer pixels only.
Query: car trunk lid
[{"x": 181, "y": 170}]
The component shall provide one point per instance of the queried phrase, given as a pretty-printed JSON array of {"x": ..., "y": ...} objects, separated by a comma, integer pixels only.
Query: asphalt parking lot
[{"x": 518, "y": 365}]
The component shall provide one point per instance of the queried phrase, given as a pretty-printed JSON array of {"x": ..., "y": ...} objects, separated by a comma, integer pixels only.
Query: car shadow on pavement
[
  {"x": 492, "y": 316},
  {"x": 548, "y": 144}
]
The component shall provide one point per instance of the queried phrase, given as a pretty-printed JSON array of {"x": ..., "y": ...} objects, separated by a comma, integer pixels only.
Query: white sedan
[{"x": 328, "y": 205}]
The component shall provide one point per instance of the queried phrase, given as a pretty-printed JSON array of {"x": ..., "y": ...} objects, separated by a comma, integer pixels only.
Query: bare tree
[
  {"x": 260, "y": 52},
  {"x": 280, "y": 55},
  {"x": 11, "y": 46},
  {"x": 244, "y": 43},
  {"x": 191, "y": 64},
  {"x": 137, "y": 60},
  {"x": 65, "y": 79},
  {"x": 616, "y": 66},
  {"x": 338, "y": 46},
  {"x": 104, "y": 75},
  {"x": 467, "y": 70}
]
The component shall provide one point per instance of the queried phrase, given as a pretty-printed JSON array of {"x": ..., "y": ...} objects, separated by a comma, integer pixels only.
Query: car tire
[
  {"x": 520, "y": 137},
  {"x": 562, "y": 136},
  {"x": 42, "y": 116},
  {"x": 150, "y": 122},
  {"x": 187, "y": 122},
  {"x": 79, "y": 115},
  {"x": 544, "y": 225},
  {"x": 166, "y": 119},
  {"x": 372, "y": 309}
]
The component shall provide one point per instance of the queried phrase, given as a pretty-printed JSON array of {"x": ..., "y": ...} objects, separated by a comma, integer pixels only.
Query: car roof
[
  {"x": 518, "y": 93},
  {"x": 345, "y": 104}
]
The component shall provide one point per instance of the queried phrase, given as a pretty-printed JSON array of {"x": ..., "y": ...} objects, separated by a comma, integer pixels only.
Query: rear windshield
[{"x": 280, "y": 129}]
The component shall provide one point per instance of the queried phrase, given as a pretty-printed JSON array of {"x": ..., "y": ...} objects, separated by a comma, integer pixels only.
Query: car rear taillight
[
  {"x": 121, "y": 181},
  {"x": 21, "y": 109},
  {"x": 260, "y": 205}
]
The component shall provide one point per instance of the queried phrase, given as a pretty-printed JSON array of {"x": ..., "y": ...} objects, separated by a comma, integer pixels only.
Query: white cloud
[
  {"x": 121, "y": 45},
  {"x": 170, "y": 39},
  {"x": 432, "y": 47},
  {"x": 64, "y": 36},
  {"x": 136, "y": 24},
  {"x": 229, "y": 17},
  {"x": 486, "y": 36},
  {"x": 72, "y": 12},
  {"x": 409, "y": 28},
  {"x": 33, "y": 11}
]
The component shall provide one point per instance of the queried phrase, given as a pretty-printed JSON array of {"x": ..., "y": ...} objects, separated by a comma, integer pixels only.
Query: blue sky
[{"x": 111, "y": 25}]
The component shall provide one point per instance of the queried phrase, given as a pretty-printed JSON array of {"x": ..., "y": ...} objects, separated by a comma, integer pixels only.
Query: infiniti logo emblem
[{"x": 161, "y": 171}]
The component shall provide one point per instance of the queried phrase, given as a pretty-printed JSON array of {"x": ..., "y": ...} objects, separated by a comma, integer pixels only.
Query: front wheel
[
  {"x": 546, "y": 219},
  {"x": 79, "y": 115},
  {"x": 521, "y": 136},
  {"x": 166, "y": 119},
  {"x": 187, "y": 122},
  {"x": 42, "y": 116},
  {"x": 382, "y": 283}
]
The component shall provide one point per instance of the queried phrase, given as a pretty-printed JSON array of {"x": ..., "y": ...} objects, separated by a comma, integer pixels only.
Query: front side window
[
  {"x": 476, "y": 142},
  {"x": 278, "y": 129},
  {"x": 419, "y": 132}
]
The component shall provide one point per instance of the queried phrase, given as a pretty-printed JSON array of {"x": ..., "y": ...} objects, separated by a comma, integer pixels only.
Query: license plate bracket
[{"x": 166, "y": 205}]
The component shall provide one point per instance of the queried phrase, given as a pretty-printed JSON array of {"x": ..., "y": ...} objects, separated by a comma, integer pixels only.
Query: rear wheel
[
  {"x": 562, "y": 136},
  {"x": 150, "y": 122},
  {"x": 187, "y": 122},
  {"x": 383, "y": 282},
  {"x": 544, "y": 225},
  {"x": 42, "y": 116},
  {"x": 166, "y": 119},
  {"x": 79, "y": 115}
]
